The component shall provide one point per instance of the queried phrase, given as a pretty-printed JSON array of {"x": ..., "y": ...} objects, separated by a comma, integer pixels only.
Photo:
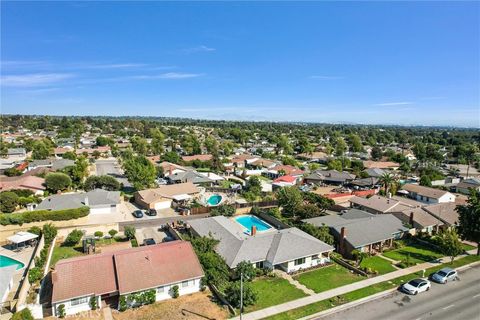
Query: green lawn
[
  {"x": 417, "y": 253},
  {"x": 364, "y": 292},
  {"x": 64, "y": 253},
  {"x": 467, "y": 247},
  {"x": 272, "y": 291},
  {"x": 327, "y": 278},
  {"x": 381, "y": 265}
]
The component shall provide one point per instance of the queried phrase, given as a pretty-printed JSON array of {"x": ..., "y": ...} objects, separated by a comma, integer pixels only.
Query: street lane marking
[{"x": 448, "y": 307}]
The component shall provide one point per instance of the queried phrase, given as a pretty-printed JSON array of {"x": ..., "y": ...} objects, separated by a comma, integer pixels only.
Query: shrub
[
  {"x": 175, "y": 292},
  {"x": 61, "y": 311},
  {"x": 49, "y": 232},
  {"x": 122, "y": 305},
  {"x": 134, "y": 242},
  {"x": 93, "y": 303},
  {"x": 43, "y": 215},
  {"x": 57, "y": 181},
  {"x": 223, "y": 210},
  {"x": 98, "y": 234},
  {"x": 8, "y": 201},
  {"x": 129, "y": 232},
  {"x": 112, "y": 233},
  {"x": 34, "y": 275},
  {"x": 73, "y": 238},
  {"x": 35, "y": 230},
  {"x": 25, "y": 314}
]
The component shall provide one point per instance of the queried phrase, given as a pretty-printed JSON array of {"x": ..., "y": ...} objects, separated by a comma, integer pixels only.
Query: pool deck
[
  {"x": 23, "y": 256},
  {"x": 243, "y": 228}
]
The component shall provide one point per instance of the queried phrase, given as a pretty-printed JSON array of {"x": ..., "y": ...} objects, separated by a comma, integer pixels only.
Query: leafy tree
[
  {"x": 450, "y": 243},
  {"x": 334, "y": 164},
  {"x": 308, "y": 210},
  {"x": 254, "y": 186},
  {"x": 323, "y": 203},
  {"x": 8, "y": 201},
  {"x": 40, "y": 150},
  {"x": 420, "y": 151},
  {"x": 69, "y": 155},
  {"x": 247, "y": 269},
  {"x": 102, "y": 141},
  {"x": 49, "y": 232},
  {"x": 57, "y": 181},
  {"x": 359, "y": 256},
  {"x": 171, "y": 157},
  {"x": 376, "y": 153},
  {"x": 12, "y": 172},
  {"x": 290, "y": 198},
  {"x": 129, "y": 232},
  {"x": 140, "y": 172},
  {"x": 34, "y": 275},
  {"x": 223, "y": 210},
  {"x": 139, "y": 145},
  {"x": 469, "y": 219},
  {"x": 340, "y": 147},
  {"x": 233, "y": 294},
  {"x": 387, "y": 179},
  {"x": 158, "y": 140},
  {"x": 321, "y": 233},
  {"x": 425, "y": 181},
  {"x": 24, "y": 314},
  {"x": 355, "y": 143},
  {"x": 101, "y": 182}
]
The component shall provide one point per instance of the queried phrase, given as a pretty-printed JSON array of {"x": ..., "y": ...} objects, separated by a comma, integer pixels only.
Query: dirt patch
[{"x": 195, "y": 306}]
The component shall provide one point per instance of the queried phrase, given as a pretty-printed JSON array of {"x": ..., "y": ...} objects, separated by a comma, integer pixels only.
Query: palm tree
[{"x": 387, "y": 179}]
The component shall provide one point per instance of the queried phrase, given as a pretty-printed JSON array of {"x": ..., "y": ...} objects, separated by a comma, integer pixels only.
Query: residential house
[
  {"x": 198, "y": 157},
  {"x": 189, "y": 176},
  {"x": 288, "y": 249},
  {"x": 99, "y": 201},
  {"x": 467, "y": 185},
  {"x": 389, "y": 165},
  {"x": 375, "y": 172},
  {"x": 284, "y": 181},
  {"x": 316, "y": 156},
  {"x": 333, "y": 177},
  {"x": 284, "y": 170},
  {"x": 419, "y": 219},
  {"x": 26, "y": 182},
  {"x": 427, "y": 194},
  {"x": 364, "y": 183},
  {"x": 445, "y": 212},
  {"x": 378, "y": 204},
  {"x": 17, "y": 154},
  {"x": 60, "y": 151},
  {"x": 108, "y": 276},
  {"x": 162, "y": 197},
  {"x": 103, "y": 150},
  {"x": 362, "y": 231},
  {"x": 54, "y": 164}
]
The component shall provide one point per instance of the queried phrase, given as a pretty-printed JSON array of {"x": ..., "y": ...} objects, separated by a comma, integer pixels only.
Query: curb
[{"x": 370, "y": 298}]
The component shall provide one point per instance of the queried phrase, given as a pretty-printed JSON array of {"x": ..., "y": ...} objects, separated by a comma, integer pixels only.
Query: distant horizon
[
  {"x": 393, "y": 63},
  {"x": 247, "y": 121}
]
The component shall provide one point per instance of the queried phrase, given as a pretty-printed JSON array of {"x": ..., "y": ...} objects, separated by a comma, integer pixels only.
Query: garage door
[
  {"x": 163, "y": 205},
  {"x": 102, "y": 210}
]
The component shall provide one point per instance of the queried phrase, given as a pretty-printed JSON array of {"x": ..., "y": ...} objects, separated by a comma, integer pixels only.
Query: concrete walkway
[
  {"x": 393, "y": 262},
  {"x": 107, "y": 313},
  {"x": 294, "y": 282},
  {"x": 270, "y": 311}
]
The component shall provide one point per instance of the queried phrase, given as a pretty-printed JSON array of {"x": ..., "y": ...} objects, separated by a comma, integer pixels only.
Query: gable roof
[
  {"x": 189, "y": 176},
  {"x": 421, "y": 218},
  {"x": 200, "y": 157},
  {"x": 288, "y": 169},
  {"x": 287, "y": 178},
  {"x": 29, "y": 182},
  {"x": 375, "y": 172},
  {"x": 380, "y": 204},
  {"x": 446, "y": 212},
  {"x": 125, "y": 271},
  {"x": 425, "y": 191},
  {"x": 275, "y": 247},
  {"x": 368, "y": 164},
  {"x": 330, "y": 175},
  {"x": 167, "y": 191}
]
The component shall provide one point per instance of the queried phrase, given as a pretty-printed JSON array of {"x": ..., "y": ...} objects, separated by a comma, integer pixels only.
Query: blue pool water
[
  {"x": 6, "y": 261},
  {"x": 249, "y": 221},
  {"x": 214, "y": 200}
]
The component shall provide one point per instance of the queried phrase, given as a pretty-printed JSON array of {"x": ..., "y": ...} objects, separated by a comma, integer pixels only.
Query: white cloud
[
  {"x": 320, "y": 77},
  {"x": 34, "y": 79},
  {"x": 393, "y": 104},
  {"x": 117, "y": 66},
  {"x": 201, "y": 48},
  {"x": 168, "y": 75}
]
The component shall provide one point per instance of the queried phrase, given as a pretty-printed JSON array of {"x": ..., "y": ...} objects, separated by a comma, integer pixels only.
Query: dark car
[
  {"x": 151, "y": 212},
  {"x": 148, "y": 242},
  {"x": 137, "y": 214}
]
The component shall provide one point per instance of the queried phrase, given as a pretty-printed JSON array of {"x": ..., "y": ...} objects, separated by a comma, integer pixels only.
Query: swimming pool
[
  {"x": 6, "y": 261},
  {"x": 248, "y": 221},
  {"x": 214, "y": 200}
]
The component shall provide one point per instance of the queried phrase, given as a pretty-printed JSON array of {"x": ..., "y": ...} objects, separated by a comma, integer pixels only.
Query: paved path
[
  {"x": 294, "y": 282},
  {"x": 455, "y": 300},
  {"x": 393, "y": 262},
  {"x": 107, "y": 313},
  {"x": 263, "y": 313}
]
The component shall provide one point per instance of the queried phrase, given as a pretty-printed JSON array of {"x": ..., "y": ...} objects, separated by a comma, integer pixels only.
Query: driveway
[
  {"x": 150, "y": 232},
  {"x": 111, "y": 167}
]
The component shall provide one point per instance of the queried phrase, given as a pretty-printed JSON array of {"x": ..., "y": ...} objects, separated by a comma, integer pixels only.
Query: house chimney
[
  {"x": 170, "y": 170},
  {"x": 86, "y": 201},
  {"x": 411, "y": 219},
  {"x": 54, "y": 276},
  {"x": 253, "y": 231},
  {"x": 343, "y": 235}
]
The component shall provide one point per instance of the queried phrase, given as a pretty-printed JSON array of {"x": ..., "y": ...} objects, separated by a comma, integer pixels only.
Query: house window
[
  {"x": 191, "y": 283},
  {"x": 315, "y": 257},
  {"x": 259, "y": 265},
  {"x": 184, "y": 284},
  {"x": 299, "y": 261},
  {"x": 161, "y": 289},
  {"x": 77, "y": 301}
]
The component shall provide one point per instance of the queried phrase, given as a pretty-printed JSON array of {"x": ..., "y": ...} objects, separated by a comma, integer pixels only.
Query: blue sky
[{"x": 379, "y": 62}]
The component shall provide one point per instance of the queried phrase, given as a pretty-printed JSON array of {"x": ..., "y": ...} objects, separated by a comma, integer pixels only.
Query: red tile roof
[
  {"x": 289, "y": 170},
  {"x": 201, "y": 157},
  {"x": 125, "y": 271},
  {"x": 22, "y": 182},
  {"x": 287, "y": 178}
]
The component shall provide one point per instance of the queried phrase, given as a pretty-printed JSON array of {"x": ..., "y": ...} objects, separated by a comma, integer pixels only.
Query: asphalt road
[
  {"x": 111, "y": 168},
  {"x": 456, "y": 300}
]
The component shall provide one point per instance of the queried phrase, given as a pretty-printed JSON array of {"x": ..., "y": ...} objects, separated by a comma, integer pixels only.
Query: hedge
[{"x": 43, "y": 215}]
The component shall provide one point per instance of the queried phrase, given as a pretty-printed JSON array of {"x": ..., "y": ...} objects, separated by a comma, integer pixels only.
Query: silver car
[{"x": 444, "y": 275}]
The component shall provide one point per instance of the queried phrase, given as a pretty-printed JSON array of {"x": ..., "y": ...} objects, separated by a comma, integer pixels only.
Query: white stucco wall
[
  {"x": 192, "y": 287},
  {"x": 72, "y": 309},
  {"x": 309, "y": 263}
]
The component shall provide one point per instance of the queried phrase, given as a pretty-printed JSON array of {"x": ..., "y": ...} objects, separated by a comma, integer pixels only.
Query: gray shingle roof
[
  {"x": 189, "y": 176},
  {"x": 275, "y": 247},
  {"x": 97, "y": 197},
  {"x": 330, "y": 175}
]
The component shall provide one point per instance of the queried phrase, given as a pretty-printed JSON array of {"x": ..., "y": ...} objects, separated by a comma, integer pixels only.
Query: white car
[{"x": 416, "y": 286}]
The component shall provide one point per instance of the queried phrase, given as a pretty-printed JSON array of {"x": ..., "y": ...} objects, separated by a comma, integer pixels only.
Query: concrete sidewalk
[{"x": 270, "y": 311}]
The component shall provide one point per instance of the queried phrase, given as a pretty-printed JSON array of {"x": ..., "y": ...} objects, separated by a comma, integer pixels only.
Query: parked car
[
  {"x": 137, "y": 214},
  {"x": 416, "y": 286},
  {"x": 444, "y": 275},
  {"x": 151, "y": 212},
  {"x": 148, "y": 242}
]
